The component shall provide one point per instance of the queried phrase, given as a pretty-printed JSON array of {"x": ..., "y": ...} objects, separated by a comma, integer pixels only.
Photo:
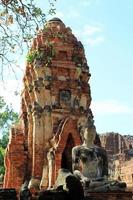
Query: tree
[
  {"x": 7, "y": 117},
  {"x": 2, "y": 168},
  {"x": 19, "y": 20}
]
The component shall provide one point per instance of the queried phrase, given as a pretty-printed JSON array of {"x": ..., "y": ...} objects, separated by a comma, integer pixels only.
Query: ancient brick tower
[{"x": 55, "y": 105}]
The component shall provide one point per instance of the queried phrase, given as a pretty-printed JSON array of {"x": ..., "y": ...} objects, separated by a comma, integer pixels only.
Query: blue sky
[{"x": 106, "y": 30}]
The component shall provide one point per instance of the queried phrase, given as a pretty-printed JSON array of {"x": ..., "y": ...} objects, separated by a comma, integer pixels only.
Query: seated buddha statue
[
  {"x": 90, "y": 165},
  {"x": 88, "y": 158}
]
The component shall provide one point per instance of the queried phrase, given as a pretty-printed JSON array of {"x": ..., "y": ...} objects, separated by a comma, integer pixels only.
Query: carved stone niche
[
  {"x": 37, "y": 109},
  {"x": 48, "y": 108},
  {"x": 76, "y": 103},
  {"x": 65, "y": 97},
  {"x": 30, "y": 88},
  {"x": 29, "y": 108},
  {"x": 38, "y": 63},
  {"x": 38, "y": 84},
  {"x": 62, "y": 55},
  {"x": 55, "y": 103},
  {"x": 83, "y": 101},
  {"x": 48, "y": 81}
]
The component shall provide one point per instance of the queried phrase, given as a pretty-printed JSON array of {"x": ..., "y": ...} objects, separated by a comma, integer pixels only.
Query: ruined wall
[
  {"x": 15, "y": 159},
  {"x": 120, "y": 160},
  {"x": 114, "y": 143},
  {"x": 127, "y": 173}
]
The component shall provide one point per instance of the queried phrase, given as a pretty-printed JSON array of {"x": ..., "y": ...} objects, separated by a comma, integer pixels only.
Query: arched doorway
[
  {"x": 66, "y": 161},
  {"x": 66, "y": 141}
]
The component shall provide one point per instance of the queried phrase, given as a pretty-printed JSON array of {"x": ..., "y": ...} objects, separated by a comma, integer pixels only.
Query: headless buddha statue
[
  {"x": 90, "y": 165},
  {"x": 89, "y": 159}
]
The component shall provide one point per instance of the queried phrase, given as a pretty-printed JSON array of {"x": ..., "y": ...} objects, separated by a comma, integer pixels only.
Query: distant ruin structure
[
  {"x": 55, "y": 106},
  {"x": 120, "y": 156}
]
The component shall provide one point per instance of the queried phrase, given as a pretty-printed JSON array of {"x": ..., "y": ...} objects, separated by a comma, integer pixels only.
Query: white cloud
[
  {"x": 72, "y": 13},
  {"x": 7, "y": 90},
  {"x": 59, "y": 14},
  {"x": 110, "y": 107},
  {"x": 95, "y": 41},
  {"x": 86, "y": 3},
  {"x": 90, "y": 30},
  {"x": 78, "y": 34},
  {"x": 91, "y": 34}
]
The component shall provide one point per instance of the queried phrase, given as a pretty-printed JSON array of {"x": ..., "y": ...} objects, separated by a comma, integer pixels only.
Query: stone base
[
  {"x": 109, "y": 196},
  {"x": 53, "y": 195},
  {"x": 8, "y": 194}
]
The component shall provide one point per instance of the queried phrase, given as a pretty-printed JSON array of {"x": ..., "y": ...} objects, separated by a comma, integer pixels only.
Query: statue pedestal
[{"x": 109, "y": 196}]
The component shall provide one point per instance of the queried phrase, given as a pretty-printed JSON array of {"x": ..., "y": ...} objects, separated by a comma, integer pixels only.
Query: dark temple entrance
[{"x": 66, "y": 161}]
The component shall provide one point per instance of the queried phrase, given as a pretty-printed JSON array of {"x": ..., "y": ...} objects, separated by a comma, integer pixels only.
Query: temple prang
[{"x": 55, "y": 105}]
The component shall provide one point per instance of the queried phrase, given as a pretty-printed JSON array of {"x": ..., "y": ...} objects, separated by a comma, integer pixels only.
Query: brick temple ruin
[{"x": 55, "y": 104}]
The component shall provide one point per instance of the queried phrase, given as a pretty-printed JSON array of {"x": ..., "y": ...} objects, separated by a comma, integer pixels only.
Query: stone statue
[
  {"x": 66, "y": 181},
  {"x": 50, "y": 158},
  {"x": 34, "y": 187},
  {"x": 89, "y": 159},
  {"x": 90, "y": 165},
  {"x": 25, "y": 192}
]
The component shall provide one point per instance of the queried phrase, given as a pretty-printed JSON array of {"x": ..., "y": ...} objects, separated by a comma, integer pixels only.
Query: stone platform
[
  {"x": 109, "y": 196},
  {"x": 47, "y": 195},
  {"x": 8, "y": 194}
]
